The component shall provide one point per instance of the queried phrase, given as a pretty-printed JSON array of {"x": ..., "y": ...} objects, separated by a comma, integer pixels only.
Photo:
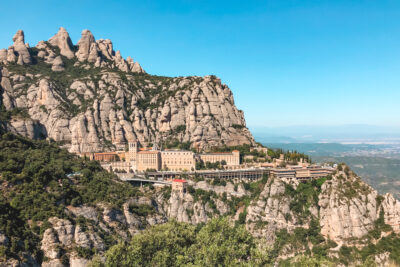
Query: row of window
[{"x": 178, "y": 153}]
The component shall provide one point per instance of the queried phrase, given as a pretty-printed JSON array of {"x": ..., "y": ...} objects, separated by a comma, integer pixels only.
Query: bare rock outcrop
[
  {"x": 63, "y": 42},
  {"x": 21, "y": 49},
  {"x": 271, "y": 211},
  {"x": 391, "y": 208},
  {"x": 137, "y": 222},
  {"x": 85, "y": 211},
  {"x": 184, "y": 208},
  {"x": 58, "y": 64},
  {"x": 229, "y": 188},
  {"x": 3, "y": 240},
  {"x": 64, "y": 236},
  {"x": 106, "y": 101},
  {"x": 84, "y": 45},
  {"x": 349, "y": 207},
  {"x": 3, "y": 56}
]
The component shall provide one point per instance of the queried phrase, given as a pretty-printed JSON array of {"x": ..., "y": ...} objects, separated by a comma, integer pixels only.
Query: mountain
[
  {"x": 57, "y": 209},
  {"x": 90, "y": 98}
]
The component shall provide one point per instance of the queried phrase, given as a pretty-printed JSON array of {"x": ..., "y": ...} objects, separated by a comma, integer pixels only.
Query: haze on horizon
[{"x": 287, "y": 62}]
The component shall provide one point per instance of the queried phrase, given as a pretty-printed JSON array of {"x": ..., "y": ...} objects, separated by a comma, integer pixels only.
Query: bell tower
[{"x": 133, "y": 149}]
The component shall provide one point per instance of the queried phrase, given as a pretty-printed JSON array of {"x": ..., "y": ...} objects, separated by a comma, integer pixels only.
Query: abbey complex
[{"x": 140, "y": 160}]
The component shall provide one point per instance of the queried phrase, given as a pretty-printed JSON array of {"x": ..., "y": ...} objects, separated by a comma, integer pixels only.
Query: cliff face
[
  {"x": 89, "y": 97},
  {"x": 271, "y": 212},
  {"x": 346, "y": 219},
  {"x": 91, "y": 227},
  {"x": 347, "y": 209}
]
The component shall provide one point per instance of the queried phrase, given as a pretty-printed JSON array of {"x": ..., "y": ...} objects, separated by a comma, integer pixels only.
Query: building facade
[
  {"x": 231, "y": 158},
  {"x": 106, "y": 156},
  {"x": 140, "y": 160},
  {"x": 179, "y": 186},
  {"x": 178, "y": 160},
  {"x": 148, "y": 160},
  {"x": 117, "y": 166}
]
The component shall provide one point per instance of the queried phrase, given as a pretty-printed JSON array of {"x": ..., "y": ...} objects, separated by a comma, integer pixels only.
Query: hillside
[
  {"x": 383, "y": 174},
  {"x": 90, "y": 98},
  {"x": 57, "y": 209}
]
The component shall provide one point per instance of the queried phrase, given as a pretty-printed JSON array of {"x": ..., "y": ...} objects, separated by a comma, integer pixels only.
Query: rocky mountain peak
[
  {"x": 20, "y": 48},
  {"x": 91, "y": 98},
  {"x": 19, "y": 37},
  {"x": 84, "y": 45},
  {"x": 63, "y": 42}
]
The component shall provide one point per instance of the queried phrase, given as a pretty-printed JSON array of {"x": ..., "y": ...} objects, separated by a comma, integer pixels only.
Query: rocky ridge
[
  {"x": 287, "y": 217},
  {"x": 346, "y": 208},
  {"x": 90, "y": 98},
  {"x": 346, "y": 220},
  {"x": 74, "y": 240}
]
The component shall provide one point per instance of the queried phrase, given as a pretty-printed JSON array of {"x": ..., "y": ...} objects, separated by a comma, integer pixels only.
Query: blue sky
[{"x": 287, "y": 62}]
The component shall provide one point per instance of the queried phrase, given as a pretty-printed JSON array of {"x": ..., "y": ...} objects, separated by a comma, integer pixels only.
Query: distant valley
[{"x": 379, "y": 165}]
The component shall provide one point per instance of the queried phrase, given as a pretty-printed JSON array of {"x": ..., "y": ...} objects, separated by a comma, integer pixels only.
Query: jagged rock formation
[
  {"x": 271, "y": 211},
  {"x": 63, "y": 42},
  {"x": 91, "y": 98},
  {"x": 65, "y": 236},
  {"x": 229, "y": 188},
  {"x": 346, "y": 208},
  {"x": 21, "y": 49},
  {"x": 343, "y": 219},
  {"x": 184, "y": 208},
  {"x": 349, "y": 207}
]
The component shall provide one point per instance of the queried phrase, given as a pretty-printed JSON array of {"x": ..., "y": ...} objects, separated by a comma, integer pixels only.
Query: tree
[
  {"x": 162, "y": 245},
  {"x": 220, "y": 244}
]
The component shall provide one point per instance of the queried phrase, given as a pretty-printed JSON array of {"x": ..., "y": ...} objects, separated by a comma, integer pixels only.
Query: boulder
[{"x": 58, "y": 64}]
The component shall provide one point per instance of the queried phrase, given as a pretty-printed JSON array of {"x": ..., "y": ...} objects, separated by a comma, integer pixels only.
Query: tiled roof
[{"x": 179, "y": 181}]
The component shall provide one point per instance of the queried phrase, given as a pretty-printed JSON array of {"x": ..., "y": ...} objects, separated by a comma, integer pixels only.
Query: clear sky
[{"x": 287, "y": 62}]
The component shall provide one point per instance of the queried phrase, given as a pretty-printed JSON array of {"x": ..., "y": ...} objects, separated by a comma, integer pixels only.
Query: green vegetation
[
  {"x": 172, "y": 142},
  {"x": 38, "y": 180},
  {"x": 255, "y": 188},
  {"x": 206, "y": 197},
  {"x": 200, "y": 165},
  {"x": 380, "y": 226},
  {"x": 219, "y": 182},
  {"x": 178, "y": 244},
  {"x": 238, "y": 126},
  {"x": 291, "y": 156},
  {"x": 6, "y": 115},
  {"x": 304, "y": 196},
  {"x": 142, "y": 209},
  {"x": 299, "y": 238},
  {"x": 243, "y": 149}
]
